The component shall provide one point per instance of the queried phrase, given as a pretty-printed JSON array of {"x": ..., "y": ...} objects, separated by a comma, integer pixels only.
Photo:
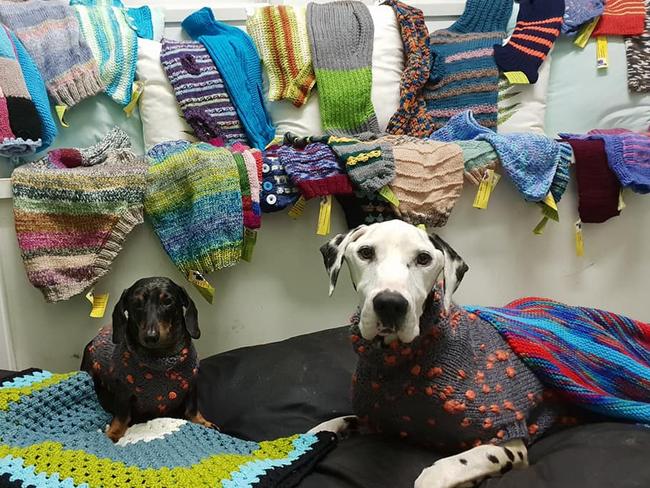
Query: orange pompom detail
[
  {"x": 470, "y": 395},
  {"x": 415, "y": 370},
  {"x": 510, "y": 372}
]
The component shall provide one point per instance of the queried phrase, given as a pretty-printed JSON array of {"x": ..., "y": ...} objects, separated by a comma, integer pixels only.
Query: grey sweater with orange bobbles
[{"x": 457, "y": 385}]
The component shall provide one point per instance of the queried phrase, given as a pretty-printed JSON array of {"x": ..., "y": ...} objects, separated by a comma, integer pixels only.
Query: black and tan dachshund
[{"x": 145, "y": 365}]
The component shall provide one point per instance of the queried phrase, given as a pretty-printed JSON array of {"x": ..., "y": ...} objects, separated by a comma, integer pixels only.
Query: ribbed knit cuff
[
  {"x": 484, "y": 16},
  {"x": 332, "y": 185},
  {"x": 220, "y": 258},
  {"x": 81, "y": 82}
]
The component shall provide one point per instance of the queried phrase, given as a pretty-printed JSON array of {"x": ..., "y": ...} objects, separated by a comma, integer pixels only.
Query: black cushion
[{"x": 279, "y": 389}]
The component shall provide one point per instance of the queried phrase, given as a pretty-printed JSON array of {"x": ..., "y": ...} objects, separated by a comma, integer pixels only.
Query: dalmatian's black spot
[
  {"x": 463, "y": 461},
  {"x": 493, "y": 459},
  {"x": 509, "y": 453},
  {"x": 506, "y": 468},
  {"x": 338, "y": 239},
  {"x": 521, "y": 455}
]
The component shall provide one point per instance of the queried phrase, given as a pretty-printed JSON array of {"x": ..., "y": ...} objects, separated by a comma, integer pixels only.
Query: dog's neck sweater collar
[
  {"x": 397, "y": 352},
  {"x": 159, "y": 362}
]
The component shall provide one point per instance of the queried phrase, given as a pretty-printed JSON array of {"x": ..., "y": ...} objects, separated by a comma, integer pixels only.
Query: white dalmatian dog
[{"x": 394, "y": 266}]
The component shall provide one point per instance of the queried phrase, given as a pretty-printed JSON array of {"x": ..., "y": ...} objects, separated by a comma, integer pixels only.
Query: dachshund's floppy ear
[
  {"x": 191, "y": 316},
  {"x": 453, "y": 271},
  {"x": 334, "y": 252},
  {"x": 120, "y": 318}
]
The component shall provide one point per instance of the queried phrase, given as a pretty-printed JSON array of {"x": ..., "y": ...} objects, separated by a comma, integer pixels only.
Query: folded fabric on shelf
[
  {"x": 73, "y": 210},
  {"x": 621, "y": 18},
  {"x": 637, "y": 50}
]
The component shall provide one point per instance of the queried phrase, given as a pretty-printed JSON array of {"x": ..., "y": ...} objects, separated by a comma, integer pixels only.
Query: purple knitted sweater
[{"x": 457, "y": 385}]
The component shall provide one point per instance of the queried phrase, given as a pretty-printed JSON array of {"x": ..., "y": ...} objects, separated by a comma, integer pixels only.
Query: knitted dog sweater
[
  {"x": 113, "y": 42},
  {"x": 73, "y": 210},
  {"x": 158, "y": 386},
  {"x": 236, "y": 58},
  {"x": 194, "y": 201},
  {"x": 280, "y": 34},
  {"x": 465, "y": 53},
  {"x": 637, "y": 50},
  {"x": 53, "y": 436},
  {"x": 50, "y": 31},
  {"x": 200, "y": 91},
  {"x": 457, "y": 385},
  {"x": 341, "y": 37}
]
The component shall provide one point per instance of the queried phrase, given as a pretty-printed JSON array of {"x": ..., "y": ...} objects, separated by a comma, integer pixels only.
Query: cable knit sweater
[{"x": 457, "y": 385}]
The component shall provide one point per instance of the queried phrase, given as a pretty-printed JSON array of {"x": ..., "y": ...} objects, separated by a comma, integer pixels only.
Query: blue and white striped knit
[
  {"x": 52, "y": 435},
  {"x": 596, "y": 359},
  {"x": 113, "y": 42}
]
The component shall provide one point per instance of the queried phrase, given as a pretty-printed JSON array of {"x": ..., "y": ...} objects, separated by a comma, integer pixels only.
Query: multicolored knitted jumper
[
  {"x": 598, "y": 360},
  {"x": 52, "y": 435},
  {"x": 457, "y": 385}
]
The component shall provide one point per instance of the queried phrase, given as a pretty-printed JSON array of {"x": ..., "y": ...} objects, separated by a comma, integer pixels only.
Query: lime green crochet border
[{"x": 13, "y": 395}]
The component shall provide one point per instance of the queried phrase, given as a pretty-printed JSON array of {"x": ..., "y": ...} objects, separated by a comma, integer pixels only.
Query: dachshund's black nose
[
  {"x": 151, "y": 337},
  {"x": 390, "y": 308}
]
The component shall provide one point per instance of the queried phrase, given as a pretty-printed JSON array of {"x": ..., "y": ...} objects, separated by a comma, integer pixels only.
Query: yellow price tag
[
  {"x": 601, "y": 52},
  {"x": 201, "y": 284},
  {"x": 99, "y": 303},
  {"x": 549, "y": 208},
  {"x": 621, "y": 202},
  {"x": 422, "y": 227},
  {"x": 324, "y": 216},
  {"x": 539, "y": 228},
  {"x": 138, "y": 88},
  {"x": 298, "y": 208},
  {"x": 250, "y": 238},
  {"x": 485, "y": 189},
  {"x": 387, "y": 194},
  {"x": 60, "y": 113},
  {"x": 517, "y": 77},
  {"x": 585, "y": 33},
  {"x": 580, "y": 244}
]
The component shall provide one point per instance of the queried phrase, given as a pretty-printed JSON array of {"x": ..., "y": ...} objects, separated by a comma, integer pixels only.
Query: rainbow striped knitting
[
  {"x": 598, "y": 360},
  {"x": 73, "y": 210},
  {"x": 51, "y": 435},
  {"x": 194, "y": 201},
  {"x": 113, "y": 42}
]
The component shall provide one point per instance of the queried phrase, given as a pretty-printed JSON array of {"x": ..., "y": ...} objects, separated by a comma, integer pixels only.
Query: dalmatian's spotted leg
[
  {"x": 470, "y": 467},
  {"x": 343, "y": 427}
]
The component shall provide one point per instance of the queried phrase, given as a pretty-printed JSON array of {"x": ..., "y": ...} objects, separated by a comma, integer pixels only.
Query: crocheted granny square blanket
[
  {"x": 598, "y": 360},
  {"x": 52, "y": 435}
]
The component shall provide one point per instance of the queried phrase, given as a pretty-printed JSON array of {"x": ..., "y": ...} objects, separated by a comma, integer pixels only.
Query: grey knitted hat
[{"x": 341, "y": 37}]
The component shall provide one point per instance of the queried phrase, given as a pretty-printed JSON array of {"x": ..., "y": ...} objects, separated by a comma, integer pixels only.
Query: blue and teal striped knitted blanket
[
  {"x": 52, "y": 435},
  {"x": 598, "y": 360}
]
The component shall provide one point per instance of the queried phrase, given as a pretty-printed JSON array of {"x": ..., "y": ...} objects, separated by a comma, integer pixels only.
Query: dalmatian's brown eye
[
  {"x": 366, "y": 252},
  {"x": 423, "y": 259}
]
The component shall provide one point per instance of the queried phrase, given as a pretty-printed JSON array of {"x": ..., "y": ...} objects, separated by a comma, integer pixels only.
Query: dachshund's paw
[
  {"x": 198, "y": 418},
  {"x": 116, "y": 430}
]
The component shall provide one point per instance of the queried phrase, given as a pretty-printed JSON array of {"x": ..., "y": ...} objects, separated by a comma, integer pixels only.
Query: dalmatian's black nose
[{"x": 390, "y": 308}]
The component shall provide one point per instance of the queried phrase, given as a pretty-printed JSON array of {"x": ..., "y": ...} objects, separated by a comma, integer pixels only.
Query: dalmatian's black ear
[
  {"x": 334, "y": 252},
  {"x": 453, "y": 271}
]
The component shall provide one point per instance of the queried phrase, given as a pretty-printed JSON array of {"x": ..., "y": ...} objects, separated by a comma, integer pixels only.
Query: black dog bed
[{"x": 274, "y": 390}]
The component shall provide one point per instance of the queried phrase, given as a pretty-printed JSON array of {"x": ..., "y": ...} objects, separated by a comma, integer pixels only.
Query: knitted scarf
[
  {"x": 52, "y": 434},
  {"x": 598, "y": 360},
  {"x": 637, "y": 50},
  {"x": 73, "y": 210},
  {"x": 50, "y": 31},
  {"x": 194, "y": 201},
  {"x": 113, "y": 42}
]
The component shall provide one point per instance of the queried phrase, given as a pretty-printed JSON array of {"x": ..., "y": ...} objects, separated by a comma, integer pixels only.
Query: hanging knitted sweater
[
  {"x": 158, "y": 384},
  {"x": 458, "y": 384}
]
